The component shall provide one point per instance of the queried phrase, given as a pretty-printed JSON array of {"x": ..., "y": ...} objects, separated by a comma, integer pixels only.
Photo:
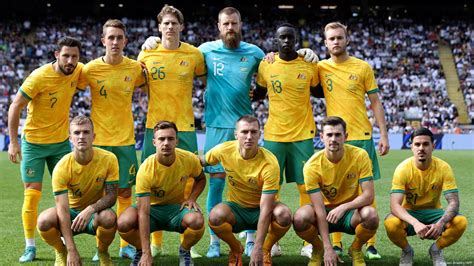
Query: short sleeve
[
  {"x": 200, "y": 69},
  {"x": 213, "y": 156},
  {"x": 195, "y": 166},
  {"x": 369, "y": 81},
  {"x": 113, "y": 170},
  {"x": 315, "y": 78},
  {"x": 271, "y": 178},
  {"x": 60, "y": 178},
  {"x": 365, "y": 170},
  {"x": 311, "y": 179},
  {"x": 261, "y": 74},
  {"x": 399, "y": 180},
  {"x": 144, "y": 176},
  {"x": 449, "y": 182},
  {"x": 29, "y": 89},
  {"x": 83, "y": 81},
  {"x": 140, "y": 76}
]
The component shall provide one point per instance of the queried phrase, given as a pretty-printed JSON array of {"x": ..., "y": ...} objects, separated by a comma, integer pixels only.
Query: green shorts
[
  {"x": 344, "y": 224},
  {"x": 128, "y": 164},
  {"x": 90, "y": 225},
  {"x": 291, "y": 157},
  {"x": 167, "y": 217},
  {"x": 369, "y": 146},
  {"x": 245, "y": 218},
  {"x": 428, "y": 216},
  {"x": 35, "y": 155},
  {"x": 215, "y": 136},
  {"x": 187, "y": 140}
]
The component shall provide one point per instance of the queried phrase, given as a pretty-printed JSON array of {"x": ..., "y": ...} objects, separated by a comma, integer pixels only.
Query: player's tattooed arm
[
  {"x": 453, "y": 208},
  {"x": 109, "y": 198}
]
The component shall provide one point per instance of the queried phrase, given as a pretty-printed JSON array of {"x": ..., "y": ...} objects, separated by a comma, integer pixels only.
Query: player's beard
[
  {"x": 66, "y": 72},
  {"x": 231, "y": 39}
]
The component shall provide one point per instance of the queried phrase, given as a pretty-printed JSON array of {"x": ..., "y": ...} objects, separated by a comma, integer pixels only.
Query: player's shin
[
  {"x": 395, "y": 229},
  {"x": 310, "y": 235},
  {"x": 53, "y": 238},
  {"x": 29, "y": 212},
  {"x": 105, "y": 237},
  {"x": 224, "y": 232},
  {"x": 122, "y": 204},
  {"x": 362, "y": 235},
  {"x": 454, "y": 230},
  {"x": 275, "y": 233},
  {"x": 132, "y": 237},
  {"x": 191, "y": 237}
]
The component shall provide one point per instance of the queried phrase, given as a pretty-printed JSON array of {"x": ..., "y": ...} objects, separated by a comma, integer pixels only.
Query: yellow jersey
[
  {"x": 246, "y": 179},
  {"x": 50, "y": 96},
  {"x": 112, "y": 89},
  {"x": 170, "y": 81},
  {"x": 85, "y": 184},
  {"x": 165, "y": 184},
  {"x": 339, "y": 182},
  {"x": 290, "y": 114},
  {"x": 345, "y": 85},
  {"x": 423, "y": 189}
]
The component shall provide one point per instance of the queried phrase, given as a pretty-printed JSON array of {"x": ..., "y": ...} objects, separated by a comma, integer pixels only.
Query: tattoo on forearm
[
  {"x": 108, "y": 200},
  {"x": 452, "y": 209}
]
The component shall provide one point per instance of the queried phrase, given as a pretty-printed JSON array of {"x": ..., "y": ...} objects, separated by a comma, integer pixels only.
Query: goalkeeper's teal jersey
[{"x": 229, "y": 75}]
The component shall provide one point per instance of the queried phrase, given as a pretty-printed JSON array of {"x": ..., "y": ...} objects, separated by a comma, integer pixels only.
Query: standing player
[
  {"x": 290, "y": 127},
  {"x": 48, "y": 92},
  {"x": 333, "y": 179},
  {"x": 346, "y": 80},
  {"x": 171, "y": 67},
  {"x": 112, "y": 79},
  {"x": 160, "y": 183},
  {"x": 85, "y": 185},
  {"x": 253, "y": 180},
  {"x": 415, "y": 202}
]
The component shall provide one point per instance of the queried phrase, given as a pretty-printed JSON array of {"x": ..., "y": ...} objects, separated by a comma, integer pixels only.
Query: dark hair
[
  {"x": 333, "y": 121},
  {"x": 164, "y": 125},
  {"x": 248, "y": 119},
  {"x": 170, "y": 10},
  {"x": 286, "y": 24},
  {"x": 422, "y": 131},
  {"x": 229, "y": 11},
  {"x": 70, "y": 42}
]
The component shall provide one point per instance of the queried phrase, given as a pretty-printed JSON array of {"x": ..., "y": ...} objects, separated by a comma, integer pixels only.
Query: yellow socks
[
  {"x": 29, "y": 212},
  {"x": 454, "y": 230},
  {"x": 224, "y": 232},
  {"x": 157, "y": 238},
  {"x": 396, "y": 231},
  {"x": 361, "y": 236},
  {"x": 304, "y": 197},
  {"x": 122, "y": 204},
  {"x": 336, "y": 239},
  {"x": 105, "y": 237},
  {"x": 275, "y": 232},
  {"x": 191, "y": 237},
  {"x": 133, "y": 237},
  {"x": 310, "y": 235},
  {"x": 53, "y": 238}
]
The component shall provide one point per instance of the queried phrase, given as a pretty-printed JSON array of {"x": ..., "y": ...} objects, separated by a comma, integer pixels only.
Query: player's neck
[
  {"x": 171, "y": 43},
  {"x": 248, "y": 154},
  {"x": 287, "y": 56},
  {"x": 112, "y": 59},
  {"x": 423, "y": 165},
  {"x": 334, "y": 156},
  {"x": 57, "y": 69},
  {"x": 83, "y": 157},
  {"x": 340, "y": 58},
  {"x": 166, "y": 160}
]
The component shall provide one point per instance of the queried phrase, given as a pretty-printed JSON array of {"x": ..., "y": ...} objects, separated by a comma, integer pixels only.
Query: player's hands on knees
[
  {"x": 331, "y": 258},
  {"x": 73, "y": 258},
  {"x": 421, "y": 229},
  {"x": 435, "y": 231},
  {"x": 270, "y": 57},
  {"x": 14, "y": 151},
  {"x": 309, "y": 55},
  {"x": 256, "y": 258},
  {"x": 151, "y": 43},
  {"x": 191, "y": 204},
  {"x": 336, "y": 214},
  {"x": 81, "y": 220},
  {"x": 146, "y": 259}
]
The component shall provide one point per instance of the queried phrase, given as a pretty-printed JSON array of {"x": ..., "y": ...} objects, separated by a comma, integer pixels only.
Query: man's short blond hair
[
  {"x": 335, "y": 25},
  {"x": 115, "y": 23},
  {"x": 170, "y": 10},
  {"x": 82, "y": 120}
]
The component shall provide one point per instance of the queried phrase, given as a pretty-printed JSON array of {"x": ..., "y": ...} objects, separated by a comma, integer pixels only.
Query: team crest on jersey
[
  {"x": 74, "y": 84},
  {"x": 183, "y": 179},
  {"x": 252, "y": 180},
  {"x": 434, "y": 187},
  {"x": 127, "y": 78},
  {"x": 301, "y": 76},
  {"x": 350, "y": 176},
  {"x": 100, "y": 179},
  {"x": 184, "y": 63},
  {"x": 30, "y": 172},
  {"x": 353, "y": 77},
  {"x": 244, "y": 59}
]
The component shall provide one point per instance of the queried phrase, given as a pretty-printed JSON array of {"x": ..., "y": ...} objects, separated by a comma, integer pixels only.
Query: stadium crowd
[{"x": 402, "y": 53}]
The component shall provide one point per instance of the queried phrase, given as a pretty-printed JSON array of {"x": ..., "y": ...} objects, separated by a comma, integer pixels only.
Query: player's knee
[
  {"x": 47, "y": 219},
  {"x": 459, "y": 222},
  {"x": 392, "y": 224},
  {"x": 369, "y": 217},
  {"x": 217, "y": 216},
  {"x": 195, "y": 220},
  {"x": 282, "y": 215},
  {"x": 301, "y": 219},
  {"x": 106, "y": 219},
  {"x": 127, "y": 221}
]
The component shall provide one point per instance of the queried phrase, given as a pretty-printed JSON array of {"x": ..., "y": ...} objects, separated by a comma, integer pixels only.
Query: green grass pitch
[{"x": 12, "y": 243}]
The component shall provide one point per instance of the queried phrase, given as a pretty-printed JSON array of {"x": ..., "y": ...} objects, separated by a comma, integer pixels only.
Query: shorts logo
[
  {"x": 183, "y": 179},
  {"x": 74, "y": 84},
  {"x": 30, "y": 172},
  {"x": 252, "y": 180}
]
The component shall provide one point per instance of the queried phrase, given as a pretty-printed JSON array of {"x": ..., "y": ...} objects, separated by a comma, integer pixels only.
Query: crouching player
[
  {"x": 85, "y": 186},
  {"x": 415, "y": 202},
  {"x": 161, "y": 205},
  {"x": 332, "y": 179},
  {"x": 253, "y": 178}
]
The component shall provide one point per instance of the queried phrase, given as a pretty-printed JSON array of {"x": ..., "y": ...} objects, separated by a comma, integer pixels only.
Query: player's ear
[
  {"x": 181, "y": 27},
  {"x": 56, "y": 54},
  {"x": 102, "y": 39},
  {"x": 348, "y": 41}
]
